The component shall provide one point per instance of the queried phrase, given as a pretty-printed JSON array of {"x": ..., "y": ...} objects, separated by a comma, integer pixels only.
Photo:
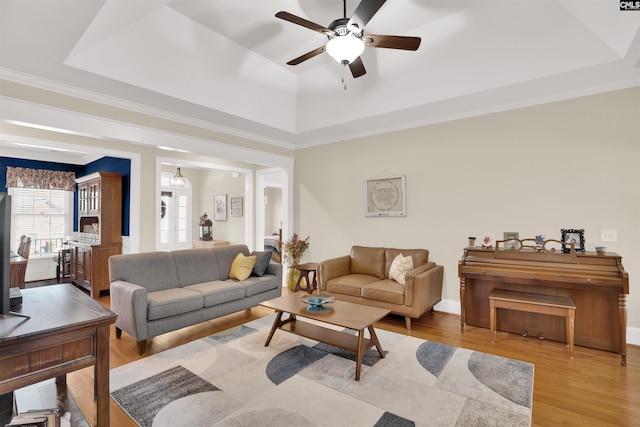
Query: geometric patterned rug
[{"x": 232, "y": 379}]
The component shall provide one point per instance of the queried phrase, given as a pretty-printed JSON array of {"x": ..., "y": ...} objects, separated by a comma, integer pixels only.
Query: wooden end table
[
  {"x": 305, "y": 271},
  {"x": 340, "y": 313}
]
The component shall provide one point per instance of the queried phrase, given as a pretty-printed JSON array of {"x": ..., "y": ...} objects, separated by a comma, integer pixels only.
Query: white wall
[
  {"x": 570, "y": 164},
  {"x": 273, "y": 210}
]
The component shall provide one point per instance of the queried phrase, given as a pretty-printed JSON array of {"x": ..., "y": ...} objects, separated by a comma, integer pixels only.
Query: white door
[{"x": 175, "y": 218}]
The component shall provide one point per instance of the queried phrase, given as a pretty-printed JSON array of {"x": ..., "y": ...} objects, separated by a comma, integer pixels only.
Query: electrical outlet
[{"x": 608, "y": 235}]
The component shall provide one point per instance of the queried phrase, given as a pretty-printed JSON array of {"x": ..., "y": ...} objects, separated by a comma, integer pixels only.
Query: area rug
[{"x": 232, "y": 379}]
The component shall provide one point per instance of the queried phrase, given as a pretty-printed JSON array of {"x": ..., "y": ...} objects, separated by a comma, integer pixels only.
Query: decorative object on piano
[
  {"x": 206, "y": 228},
  {"x": 512, "y": 239},
  {"x": 601, "y": 250},
  {"x": 472, "y": 241},
  {"x": 487, "y": 241},
  {"x": 220, "y": 205},
  {"x": 575, "y": 236},
  {"x": 539, "y": 241},
  {"x": 533, "y": 244}
]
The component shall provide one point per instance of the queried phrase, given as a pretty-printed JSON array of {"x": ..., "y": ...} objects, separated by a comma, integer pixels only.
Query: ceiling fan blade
[
  {"x": 304, "y": 23},
  {"x": 357, "y": 68},
  {"x": 364, "y": 12},
  {"x": 306, "y": 56},
  {"x": 392, "y": 42}
]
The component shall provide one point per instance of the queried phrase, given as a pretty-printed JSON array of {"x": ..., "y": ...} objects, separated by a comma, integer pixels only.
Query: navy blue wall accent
[
  {"x": 116, "y": 165},
  {"x": 105, "y": 164}
]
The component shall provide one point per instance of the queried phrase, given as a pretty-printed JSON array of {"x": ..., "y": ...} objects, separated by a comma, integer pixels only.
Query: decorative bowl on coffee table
[{"x": 317, "y": 302}]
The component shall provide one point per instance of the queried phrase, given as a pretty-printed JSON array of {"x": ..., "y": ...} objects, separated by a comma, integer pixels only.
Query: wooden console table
[
  {"x": 597, "y": 284},
  {"x": 67, "y": 330}
]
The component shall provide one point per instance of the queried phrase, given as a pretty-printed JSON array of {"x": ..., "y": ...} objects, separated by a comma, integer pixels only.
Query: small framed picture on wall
[
  {"x": 220, "y": 205},
  {"x": 235, "y": 209}
]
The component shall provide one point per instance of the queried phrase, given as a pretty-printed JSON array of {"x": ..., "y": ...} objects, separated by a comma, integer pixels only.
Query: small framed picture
[
  {"x": 235, "y": 209},
  {"x": 575, "y": 236},
  {"x": 512, "y": 240},
  {"x": 220, "y": 206}
]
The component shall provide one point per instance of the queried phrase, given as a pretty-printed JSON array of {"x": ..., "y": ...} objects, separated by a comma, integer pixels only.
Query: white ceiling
[{"x": 222, "y": 63}]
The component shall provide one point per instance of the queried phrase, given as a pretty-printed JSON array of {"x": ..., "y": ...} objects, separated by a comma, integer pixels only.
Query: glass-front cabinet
[{"x": 99, "y": 230}]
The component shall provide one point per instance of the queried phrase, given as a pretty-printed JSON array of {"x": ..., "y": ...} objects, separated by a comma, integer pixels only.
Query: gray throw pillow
[{"x": 262, "y": 262}]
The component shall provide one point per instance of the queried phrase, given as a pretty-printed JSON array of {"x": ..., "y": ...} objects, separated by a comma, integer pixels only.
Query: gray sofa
[{"x": 157, "y": 292}]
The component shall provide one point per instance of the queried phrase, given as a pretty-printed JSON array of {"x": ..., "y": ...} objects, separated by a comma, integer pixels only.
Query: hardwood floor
[{"x": 590, "y": 390}]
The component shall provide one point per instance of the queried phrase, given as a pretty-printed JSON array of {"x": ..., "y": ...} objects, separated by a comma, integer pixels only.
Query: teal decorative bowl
[{"x": 317, "y": 302}]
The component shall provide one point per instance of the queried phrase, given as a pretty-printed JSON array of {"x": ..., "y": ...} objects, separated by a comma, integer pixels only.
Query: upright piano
[{"x": 597, "y": 284}]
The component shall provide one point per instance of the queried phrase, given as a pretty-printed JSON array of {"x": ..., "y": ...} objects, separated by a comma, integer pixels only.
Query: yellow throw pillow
[
  {"x": 399, "y": 268},
  {"x": 242, "y": 267}
]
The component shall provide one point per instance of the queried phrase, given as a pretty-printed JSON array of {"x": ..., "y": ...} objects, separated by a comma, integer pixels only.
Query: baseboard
[
  {"x": 448, "y": 306},
  {"x": 633, "y": 335},
  {"x": 453, "y": 307}
]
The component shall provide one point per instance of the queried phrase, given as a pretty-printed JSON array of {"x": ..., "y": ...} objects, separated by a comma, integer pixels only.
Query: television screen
[{"x": 5, "y": 251}]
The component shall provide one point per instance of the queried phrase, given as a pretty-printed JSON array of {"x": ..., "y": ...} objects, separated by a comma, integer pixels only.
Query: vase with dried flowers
[{"x": 294, "y": 249}]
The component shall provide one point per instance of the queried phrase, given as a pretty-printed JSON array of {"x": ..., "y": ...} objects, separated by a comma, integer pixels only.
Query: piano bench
[{"x": 533, "y": 303}]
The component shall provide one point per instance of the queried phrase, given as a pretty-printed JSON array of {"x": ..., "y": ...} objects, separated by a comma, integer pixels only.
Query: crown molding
[{"x": 99, "y": 98}]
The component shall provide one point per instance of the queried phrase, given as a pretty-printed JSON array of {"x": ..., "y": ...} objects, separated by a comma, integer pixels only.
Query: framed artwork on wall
[
  {"x": 220, "y": 205},
  {"x": 576, "y": 236},
  {"x": 235, "y": 209},
  {"x": 385, "y": 196}
]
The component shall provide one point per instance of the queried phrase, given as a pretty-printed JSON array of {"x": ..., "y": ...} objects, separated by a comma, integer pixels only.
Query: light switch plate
[{"x": 609, "y": 235}]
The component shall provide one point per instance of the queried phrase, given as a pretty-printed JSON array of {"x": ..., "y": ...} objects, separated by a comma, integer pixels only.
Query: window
[{"x": 44, "y": 215}]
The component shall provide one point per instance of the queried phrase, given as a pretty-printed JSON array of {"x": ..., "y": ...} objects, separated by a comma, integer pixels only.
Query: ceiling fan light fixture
[{"x": 345, "y": 48}]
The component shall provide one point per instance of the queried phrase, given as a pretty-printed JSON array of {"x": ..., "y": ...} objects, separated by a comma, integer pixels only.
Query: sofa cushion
[
  {"x": 242, "y": 267},
  {"x": 155, "y": 271},
  {"x": 369, "y": 261},
  {"x": 255, "y": 285},
  {"x": 350, "y": 284},
  {"x": 384, "y": 290},
  {"x": 218, "y": 292},
  {"x": 169, "y": 302},
  {"x": 225, "y": 256},
  {"x": 262, "y": 262},
  {"x": 420, "y": 256},
  {"x": 195, "y": 266},
  {"x": 399, "y": 267}
]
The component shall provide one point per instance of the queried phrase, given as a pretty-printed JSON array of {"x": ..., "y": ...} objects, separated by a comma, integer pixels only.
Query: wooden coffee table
[{"x": 339, "y": 313}]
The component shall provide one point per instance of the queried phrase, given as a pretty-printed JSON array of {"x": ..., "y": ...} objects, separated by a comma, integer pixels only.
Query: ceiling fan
[{"x": 346, "y": 36}]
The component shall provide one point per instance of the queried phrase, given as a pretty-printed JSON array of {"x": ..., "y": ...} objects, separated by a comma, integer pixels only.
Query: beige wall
[
  {"x": 570, "y": 164},
  {"x": 218, "y": 182}
]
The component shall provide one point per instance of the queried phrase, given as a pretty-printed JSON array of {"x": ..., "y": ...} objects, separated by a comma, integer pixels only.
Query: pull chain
[{"x": 344, "y": 83}]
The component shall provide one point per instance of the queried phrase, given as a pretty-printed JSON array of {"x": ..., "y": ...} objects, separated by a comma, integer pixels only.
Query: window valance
[{"x": 40, "y": 178}]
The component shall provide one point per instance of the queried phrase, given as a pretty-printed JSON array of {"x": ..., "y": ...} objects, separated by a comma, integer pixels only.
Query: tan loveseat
[{"x": 363, "y": 277}]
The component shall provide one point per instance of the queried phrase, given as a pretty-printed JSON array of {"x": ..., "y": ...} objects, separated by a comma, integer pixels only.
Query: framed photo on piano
[{"x": 575, "y": 236}]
